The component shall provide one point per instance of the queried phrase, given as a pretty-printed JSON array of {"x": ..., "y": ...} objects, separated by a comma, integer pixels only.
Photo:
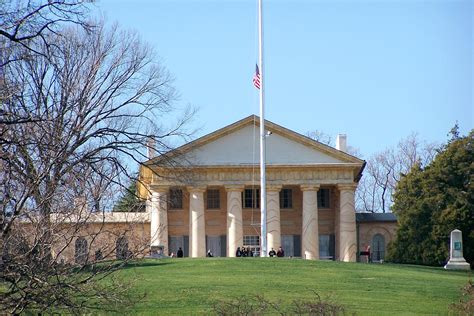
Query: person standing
[{"x": 280, "y": 252}]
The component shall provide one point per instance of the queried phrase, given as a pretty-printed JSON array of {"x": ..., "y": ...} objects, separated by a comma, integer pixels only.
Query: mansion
[{"x": 205, "y": 195}]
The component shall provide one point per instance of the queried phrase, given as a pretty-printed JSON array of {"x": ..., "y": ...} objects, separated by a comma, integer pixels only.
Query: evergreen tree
[
  {"x": 129, "y": 201},
  {"x": 431, "y": 202}
]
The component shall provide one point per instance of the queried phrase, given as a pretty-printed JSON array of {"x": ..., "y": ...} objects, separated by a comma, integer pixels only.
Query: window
[
  {"x": 252, "y": 242},
  {"x": 98, "y": 255},
  {"x": 81, "y": 250},
  {"x": 213, "y": 199},
  {"x": 251, "y": 198},
  {"x": 324, "y": 198},
  {"x": 176, "y": 199},
  {"x": 121, "y": 248},
  {"x": 326, "y": 247},
  {"x": 286, "y": 198}
]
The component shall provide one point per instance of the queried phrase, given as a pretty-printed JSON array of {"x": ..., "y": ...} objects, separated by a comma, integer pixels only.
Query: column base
[{"x": 457, "y": 264}]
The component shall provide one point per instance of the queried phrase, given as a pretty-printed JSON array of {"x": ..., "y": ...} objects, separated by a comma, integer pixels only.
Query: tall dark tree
[
  {"x": 433, "y": 201},
  {"x": 130, "y": 201}
]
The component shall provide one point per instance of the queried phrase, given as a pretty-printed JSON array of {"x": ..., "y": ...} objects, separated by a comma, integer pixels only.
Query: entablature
[{"x": 244, "y": 175}]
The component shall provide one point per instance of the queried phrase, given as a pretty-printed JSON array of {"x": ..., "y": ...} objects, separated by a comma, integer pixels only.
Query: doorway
[
  {"x": 176, "y": 242},
  {"x": 217, "y": 245}
]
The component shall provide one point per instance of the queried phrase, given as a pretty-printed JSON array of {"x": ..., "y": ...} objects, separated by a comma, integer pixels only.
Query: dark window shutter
[
  {"x": 223, "y": 246},
  {"x": 297, "y": 245},
  {"x": 332, "y": 246},
  {"x": 186, "y": 246}
]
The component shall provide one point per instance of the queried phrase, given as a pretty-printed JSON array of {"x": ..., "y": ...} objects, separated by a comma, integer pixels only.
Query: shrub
[
  {"x": 465, "y": 306},
  {"x": 259, "y": 305}
]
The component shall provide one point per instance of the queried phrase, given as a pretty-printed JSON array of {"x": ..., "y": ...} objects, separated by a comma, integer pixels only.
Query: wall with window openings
[
  {"x": 377, "y": 235},
  {"x": 101, "y": 241},
  {"x": 111, "y": 240},
  {"x": 215, "y": 204}
]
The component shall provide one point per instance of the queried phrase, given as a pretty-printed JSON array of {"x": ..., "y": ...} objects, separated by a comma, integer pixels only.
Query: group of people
[
  {"x": 242, "y": 252},
  {"x": 179, "y": 254},
  {"x": 279, "y": 253}
]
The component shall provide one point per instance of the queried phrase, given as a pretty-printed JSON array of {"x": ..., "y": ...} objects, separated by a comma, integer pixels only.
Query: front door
[
  {"x": 378, "y": 247},
  {"x": 288, "y": 245},
  {"x": 214, "y": 244},
  {"x": 176, "y": 242}
]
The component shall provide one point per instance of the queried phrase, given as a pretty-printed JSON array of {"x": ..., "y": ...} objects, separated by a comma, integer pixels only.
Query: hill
[{"x": 192, "y": 286}]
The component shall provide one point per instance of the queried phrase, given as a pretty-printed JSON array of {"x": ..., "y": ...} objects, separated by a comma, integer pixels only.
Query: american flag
[{"x": 256, "y": 78}]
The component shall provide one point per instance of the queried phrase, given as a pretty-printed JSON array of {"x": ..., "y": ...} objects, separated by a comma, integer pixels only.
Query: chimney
[
  {"x": 150, "y": 145},
  {"x": 341, "y": 142}
]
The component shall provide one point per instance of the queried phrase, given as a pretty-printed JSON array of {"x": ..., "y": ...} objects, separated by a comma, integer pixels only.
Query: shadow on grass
[
  {"x": 147, "y": 263},
  {"x": 109, "y": 265},
  {"x": 427, "y": 269}
]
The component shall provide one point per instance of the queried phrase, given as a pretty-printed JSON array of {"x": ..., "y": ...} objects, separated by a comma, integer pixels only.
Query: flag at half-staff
[{"x": 256, "y": 77}]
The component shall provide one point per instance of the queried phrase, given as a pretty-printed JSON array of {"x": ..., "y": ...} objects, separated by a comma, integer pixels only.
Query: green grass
[{"x": 191, "y": 286}]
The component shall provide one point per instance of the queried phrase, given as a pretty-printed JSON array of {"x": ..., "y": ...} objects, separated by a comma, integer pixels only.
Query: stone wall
[
  {"x": 102, "y": 239},
  {"x": 367, "y": 231}
]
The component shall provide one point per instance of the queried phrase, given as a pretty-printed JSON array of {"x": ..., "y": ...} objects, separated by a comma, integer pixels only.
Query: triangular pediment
[{"x": 239, "y": 144}]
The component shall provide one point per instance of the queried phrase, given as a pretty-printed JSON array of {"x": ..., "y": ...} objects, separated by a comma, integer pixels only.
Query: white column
[
  {"x": 273, "y": 218},
  {"x": 235, "y": 231},
  {"x": 347, "y": 223},
  {"x": 310, "y": 229},
  {"x": 157, "y": 207},
  {"x": 197, "y": 224}
]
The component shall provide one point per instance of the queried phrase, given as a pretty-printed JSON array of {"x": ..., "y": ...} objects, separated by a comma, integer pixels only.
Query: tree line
[{"x": 429, "y": 187}]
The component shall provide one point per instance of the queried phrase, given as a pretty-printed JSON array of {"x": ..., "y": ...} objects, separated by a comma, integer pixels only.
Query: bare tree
[
  {"x": 327, "y": 139},
  {"x": 321, "y": 137},
  {"x": 92, "y": 101},
  {"x": 385, "y": 168},
  {"x": 30, "y": 23}
]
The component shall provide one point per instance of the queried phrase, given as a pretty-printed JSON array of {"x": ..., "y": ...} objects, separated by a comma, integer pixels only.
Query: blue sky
[{"x": 375, "y": 70}]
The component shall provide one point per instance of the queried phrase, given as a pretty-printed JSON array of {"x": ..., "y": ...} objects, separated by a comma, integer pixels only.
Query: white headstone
[{"x": 456, "y": 258}]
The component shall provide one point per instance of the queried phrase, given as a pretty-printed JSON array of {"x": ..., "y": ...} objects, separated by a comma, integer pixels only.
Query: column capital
[
  {"x": 158, "y": 194},
  {"x": 196, "y": 189},
  {"x": 309, "y": 187},
  {"x": 274, "y": 187},
  {"x": 238, "y": 188},
  {"x": 158, "y": 188},
  {"x": 347, "y": 186}
]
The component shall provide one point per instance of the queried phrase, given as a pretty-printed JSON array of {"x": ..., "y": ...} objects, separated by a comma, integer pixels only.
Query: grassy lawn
[{"x": 190, "y": 286}]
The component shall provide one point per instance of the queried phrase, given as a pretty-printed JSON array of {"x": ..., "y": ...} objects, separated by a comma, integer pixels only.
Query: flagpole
[{"x": 263, "y": 188}]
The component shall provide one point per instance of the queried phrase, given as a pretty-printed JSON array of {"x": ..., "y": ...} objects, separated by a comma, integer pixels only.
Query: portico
[{"x": 310, "y": 195}]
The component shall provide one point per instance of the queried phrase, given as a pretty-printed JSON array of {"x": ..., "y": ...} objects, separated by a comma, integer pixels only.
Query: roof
[
  {"x": 269, "y": 126},
  {"x": 208, "y": 152},
  {"x": 376, "y": 217}
]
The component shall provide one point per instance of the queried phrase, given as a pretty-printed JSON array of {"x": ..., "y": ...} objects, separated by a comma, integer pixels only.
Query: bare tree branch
[
  {"x": 88, "y": 106},
  {"x": 27, "y": 24},
  {"x": 384, "y": 169}
]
